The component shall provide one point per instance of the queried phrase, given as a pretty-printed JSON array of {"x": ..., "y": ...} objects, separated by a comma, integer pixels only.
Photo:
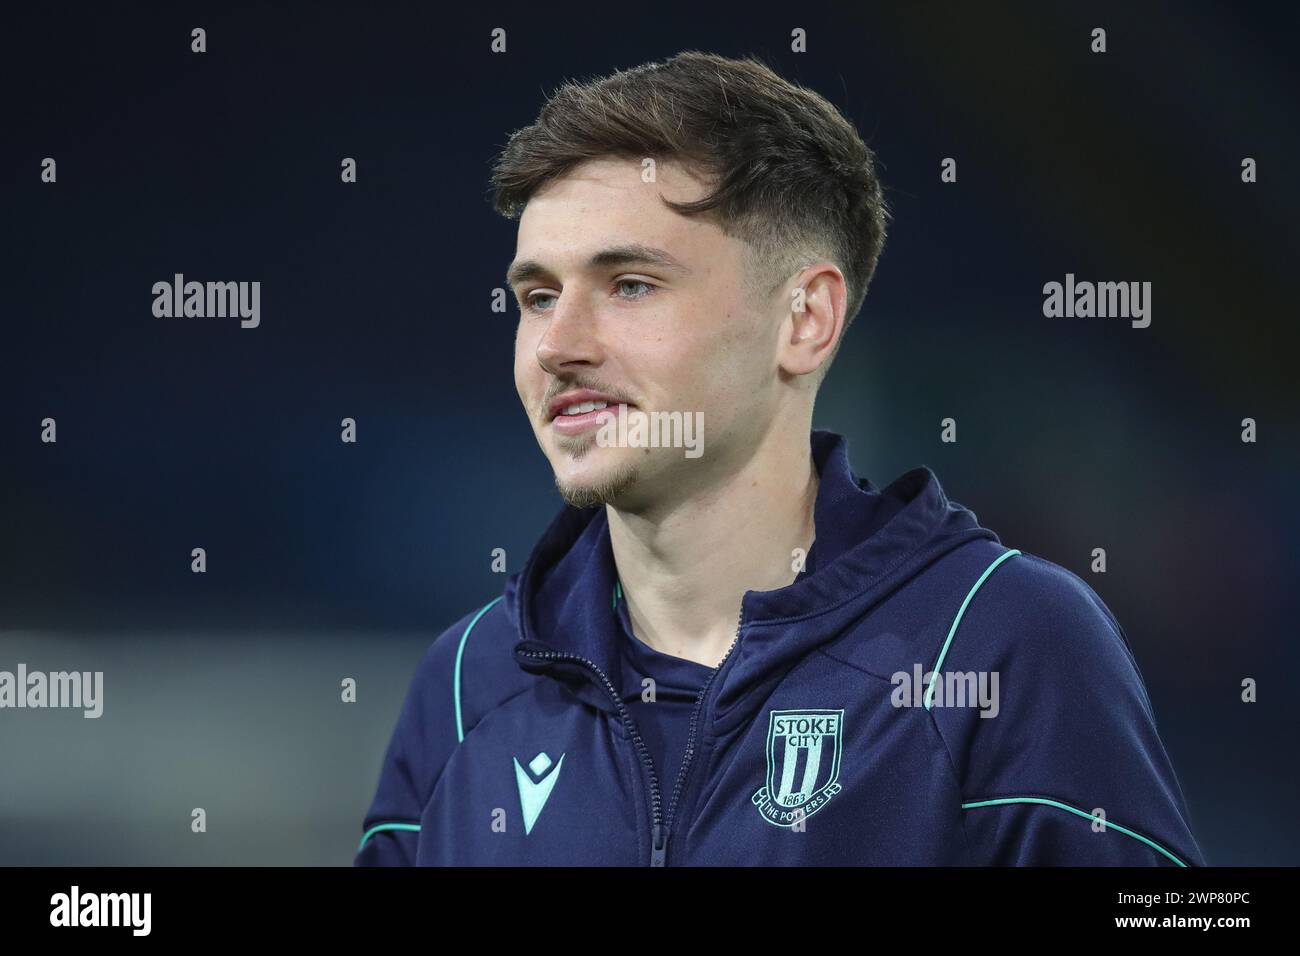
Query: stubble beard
[{"x": 606, "y": 490}]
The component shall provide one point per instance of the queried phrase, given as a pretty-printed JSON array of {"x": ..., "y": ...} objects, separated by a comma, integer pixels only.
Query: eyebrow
[{"x": 632, "y": 253}]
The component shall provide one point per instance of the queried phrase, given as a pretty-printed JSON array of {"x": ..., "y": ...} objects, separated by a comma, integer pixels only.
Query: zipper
[
  {"x": 661, "y": 825},
  {"x": 658, "y": 859}
]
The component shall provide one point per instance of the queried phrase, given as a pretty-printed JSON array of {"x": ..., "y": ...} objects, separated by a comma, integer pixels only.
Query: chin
[{"x": 586, "y": 483}]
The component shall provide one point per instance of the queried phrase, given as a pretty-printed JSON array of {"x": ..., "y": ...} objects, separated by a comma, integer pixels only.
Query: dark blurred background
[{"x": 328, "y": 560}]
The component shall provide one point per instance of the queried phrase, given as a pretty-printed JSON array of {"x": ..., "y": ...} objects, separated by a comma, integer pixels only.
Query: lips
[
  {"x": 583, "y": 410},
  {"x": 578, "y": 402},
  {"x": 584, "y": 421}
]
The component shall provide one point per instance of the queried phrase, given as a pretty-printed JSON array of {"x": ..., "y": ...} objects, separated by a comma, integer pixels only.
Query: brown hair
[{"x": 790, "y": 175}]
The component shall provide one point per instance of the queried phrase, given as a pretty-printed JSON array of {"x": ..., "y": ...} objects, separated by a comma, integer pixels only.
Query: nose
[{"x": 571, "y": 336}]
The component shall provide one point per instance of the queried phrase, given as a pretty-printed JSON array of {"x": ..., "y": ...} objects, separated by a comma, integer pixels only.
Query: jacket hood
[{"x": 562, "y": 601}]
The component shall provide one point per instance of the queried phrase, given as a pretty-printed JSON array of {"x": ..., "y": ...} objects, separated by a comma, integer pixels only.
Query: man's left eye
[{"x": 623, "y": 283}]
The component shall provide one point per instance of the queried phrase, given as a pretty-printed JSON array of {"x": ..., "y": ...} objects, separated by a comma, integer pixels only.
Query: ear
[{"x": 818, "y": 297}]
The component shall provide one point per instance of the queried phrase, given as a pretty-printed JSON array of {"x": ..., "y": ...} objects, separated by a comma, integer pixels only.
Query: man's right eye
[{"x": 530, "y": 300}]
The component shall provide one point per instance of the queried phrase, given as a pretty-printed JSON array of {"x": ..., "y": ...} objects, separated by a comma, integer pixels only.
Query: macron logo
[{"x": 533, "y": 793}]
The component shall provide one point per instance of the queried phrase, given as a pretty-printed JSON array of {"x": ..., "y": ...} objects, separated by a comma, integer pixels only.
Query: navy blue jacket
[{"x": 844, "y": 725}]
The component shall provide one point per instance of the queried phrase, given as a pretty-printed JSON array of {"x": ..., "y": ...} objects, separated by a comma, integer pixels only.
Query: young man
[{"x": 724, "y": 649}]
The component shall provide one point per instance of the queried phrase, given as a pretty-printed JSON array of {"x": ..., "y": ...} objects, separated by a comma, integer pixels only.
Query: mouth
[
  {"x": 579, "y": 422},
  {"x": 574, "y": 413}
]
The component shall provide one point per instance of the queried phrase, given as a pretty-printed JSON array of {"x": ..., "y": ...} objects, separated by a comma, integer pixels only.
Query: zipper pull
[{"x": 659, "y": 846}]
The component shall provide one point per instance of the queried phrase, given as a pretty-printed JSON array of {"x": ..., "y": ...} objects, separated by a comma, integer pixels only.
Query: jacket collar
[{"x": 562, "y": 600}]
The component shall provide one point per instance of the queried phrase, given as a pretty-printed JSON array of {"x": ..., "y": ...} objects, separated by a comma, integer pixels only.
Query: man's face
[{"x": 626, "y": 298}]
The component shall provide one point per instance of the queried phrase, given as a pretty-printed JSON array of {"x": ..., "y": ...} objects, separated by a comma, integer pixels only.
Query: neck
[{"x": 685, "y": 569}]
